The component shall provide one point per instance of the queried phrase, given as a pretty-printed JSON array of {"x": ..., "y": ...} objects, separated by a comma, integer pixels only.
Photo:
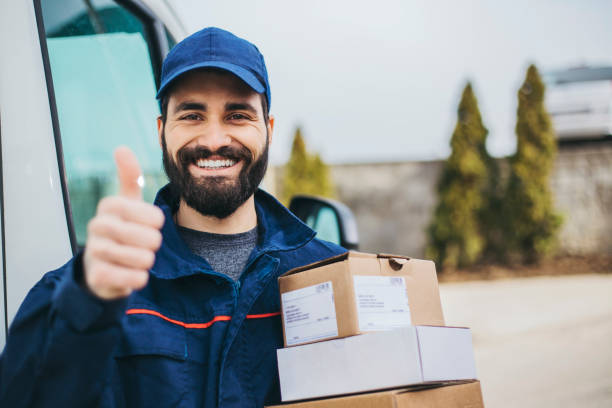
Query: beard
[{"x": 216, "y": 196}]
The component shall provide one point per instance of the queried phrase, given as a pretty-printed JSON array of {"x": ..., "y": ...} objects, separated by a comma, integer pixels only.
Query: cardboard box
[
  {"x": 356, "y": 293},
  {"x": 467, "y": 395},
  {"x": 375, "y": 361}
]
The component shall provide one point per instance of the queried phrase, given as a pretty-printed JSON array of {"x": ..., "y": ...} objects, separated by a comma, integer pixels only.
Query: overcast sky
[{"x": 373, "y": 81}]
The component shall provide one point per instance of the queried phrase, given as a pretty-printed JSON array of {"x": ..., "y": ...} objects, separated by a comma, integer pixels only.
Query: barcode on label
[
  {"x": 396, "y": 281},
  {"x": 323, "y": 287}
]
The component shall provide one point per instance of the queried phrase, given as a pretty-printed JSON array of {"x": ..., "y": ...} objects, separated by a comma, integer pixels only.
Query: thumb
[{"x": 129, "y": 173}]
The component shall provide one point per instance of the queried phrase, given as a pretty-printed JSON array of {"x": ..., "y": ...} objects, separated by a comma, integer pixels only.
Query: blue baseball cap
[{"x": 213, "y": 47}]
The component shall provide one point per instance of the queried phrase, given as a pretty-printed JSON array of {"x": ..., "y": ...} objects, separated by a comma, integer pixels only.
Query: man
[{"x": 174, "y": 304}]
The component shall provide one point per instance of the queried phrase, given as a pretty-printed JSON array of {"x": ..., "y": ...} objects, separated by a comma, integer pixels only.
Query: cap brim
[{"x": 245, "y": 75}]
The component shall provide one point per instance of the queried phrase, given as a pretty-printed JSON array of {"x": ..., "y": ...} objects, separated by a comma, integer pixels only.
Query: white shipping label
[
  {"x": 382, "y": 302},
  {"x": 309, "y": 313}
]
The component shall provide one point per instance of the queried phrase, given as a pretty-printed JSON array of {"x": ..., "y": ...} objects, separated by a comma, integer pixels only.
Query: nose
[{"x": 214, "y": 136}]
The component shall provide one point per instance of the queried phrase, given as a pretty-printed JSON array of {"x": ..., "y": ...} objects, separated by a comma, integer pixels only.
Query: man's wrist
[{"x": 79, "y": 306}]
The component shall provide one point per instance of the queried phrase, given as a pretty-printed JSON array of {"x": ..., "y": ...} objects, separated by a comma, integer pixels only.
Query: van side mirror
[{"x": 332, "y": 220}]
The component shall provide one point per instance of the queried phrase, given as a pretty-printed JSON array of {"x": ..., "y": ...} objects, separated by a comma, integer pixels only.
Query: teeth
[{"x": 215, "y": 164}]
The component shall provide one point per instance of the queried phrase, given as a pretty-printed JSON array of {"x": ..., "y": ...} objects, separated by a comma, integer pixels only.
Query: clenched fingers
[
  {"x": 111, "y": 281},
  {"x": 127, "y": 233},
  {"x": 125, "y": 255},
  {"x": 132, "y": 210}
]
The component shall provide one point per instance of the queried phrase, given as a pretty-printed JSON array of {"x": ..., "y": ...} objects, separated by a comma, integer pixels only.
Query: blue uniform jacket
[{"x": 191, "y": 338}]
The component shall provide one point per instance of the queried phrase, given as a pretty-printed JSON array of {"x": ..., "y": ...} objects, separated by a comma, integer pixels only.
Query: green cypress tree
[
  {"x": 489, "y": 219},
  {"x": 532, "y": 222},
  {"x": 322, "y": 177},
  {"x": 305, "y": 173},
  {"x": 455, "y": 238}
]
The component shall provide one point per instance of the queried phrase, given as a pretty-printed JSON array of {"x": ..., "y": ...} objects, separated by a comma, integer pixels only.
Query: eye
[
  {"x": 237, "y": 116},
  {"x": 191, "y": 116}
]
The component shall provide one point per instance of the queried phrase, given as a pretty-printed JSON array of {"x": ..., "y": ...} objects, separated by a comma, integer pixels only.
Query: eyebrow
[
  {"x": 184, "y": 106},
  {"x": 233, "y": 106}
]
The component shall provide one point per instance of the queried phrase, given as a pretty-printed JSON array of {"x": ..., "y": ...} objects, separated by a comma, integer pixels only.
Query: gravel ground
[
  {"x": 561, "y": 265},
  {"x": 539, "y": 342}
]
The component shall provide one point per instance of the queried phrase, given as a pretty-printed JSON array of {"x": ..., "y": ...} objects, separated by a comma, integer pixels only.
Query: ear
[
  {"x": 270, "y": 126},
  {"x": 160, "y": 130}
]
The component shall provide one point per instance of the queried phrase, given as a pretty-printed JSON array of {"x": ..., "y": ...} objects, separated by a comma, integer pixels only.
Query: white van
[
  {"x": 77, "y": 79},
  {"x": 579, "y": 101}
]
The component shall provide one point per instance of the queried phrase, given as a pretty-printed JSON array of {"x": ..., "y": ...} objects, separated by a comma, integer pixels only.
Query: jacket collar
[{"x": 278, "y": 230}]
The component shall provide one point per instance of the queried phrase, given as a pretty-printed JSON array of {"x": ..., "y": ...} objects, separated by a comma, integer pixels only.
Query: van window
[{"x": 105, "y": 96}]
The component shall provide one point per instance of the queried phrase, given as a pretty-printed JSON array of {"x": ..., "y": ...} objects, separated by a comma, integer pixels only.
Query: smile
[{"x": 214, "y": 164}]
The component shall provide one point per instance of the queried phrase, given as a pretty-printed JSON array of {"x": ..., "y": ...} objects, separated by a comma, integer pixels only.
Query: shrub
[
  {"x": 455, "y": 236},
  {"x": 305, "y": 173},
  {"x": 532, "y": 223}
]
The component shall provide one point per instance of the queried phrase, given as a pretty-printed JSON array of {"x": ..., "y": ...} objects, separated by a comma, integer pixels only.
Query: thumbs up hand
[{"x": 123, "y": 236}]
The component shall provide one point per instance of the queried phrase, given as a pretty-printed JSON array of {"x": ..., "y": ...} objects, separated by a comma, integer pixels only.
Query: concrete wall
[
  {"x": 394, "y": 202},
  {"x": 582, "y": 183}
]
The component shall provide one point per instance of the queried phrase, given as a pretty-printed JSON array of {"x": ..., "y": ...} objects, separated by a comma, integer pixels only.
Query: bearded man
[{"x": 173, "y": 304}]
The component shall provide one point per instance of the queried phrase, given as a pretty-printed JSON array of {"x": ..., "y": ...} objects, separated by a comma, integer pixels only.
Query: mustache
[{"x": 188, "y": 155}]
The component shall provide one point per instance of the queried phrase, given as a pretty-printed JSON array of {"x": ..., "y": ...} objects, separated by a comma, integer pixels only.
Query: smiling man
[{"x": 173, "y": 304}]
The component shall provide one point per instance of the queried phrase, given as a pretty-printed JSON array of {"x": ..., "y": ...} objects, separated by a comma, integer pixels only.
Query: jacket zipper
[{"x": 223, "y": 358}]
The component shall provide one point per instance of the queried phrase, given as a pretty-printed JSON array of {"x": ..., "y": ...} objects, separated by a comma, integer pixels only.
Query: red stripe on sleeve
[
  {"x": 177, "y": 322},
  {"x": 206, "y": 325},
  {"x": 261, "y": 316}
]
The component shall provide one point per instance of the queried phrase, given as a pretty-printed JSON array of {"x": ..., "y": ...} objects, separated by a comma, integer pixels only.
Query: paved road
[{"x": 539, "y": 342}]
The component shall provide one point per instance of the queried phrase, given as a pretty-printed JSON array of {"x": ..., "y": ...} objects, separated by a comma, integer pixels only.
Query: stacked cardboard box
[
  {"x": 466, "y": 395},
  {"x": 360, "y": 323}
]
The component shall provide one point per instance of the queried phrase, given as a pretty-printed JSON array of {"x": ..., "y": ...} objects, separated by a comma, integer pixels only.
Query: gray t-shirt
[{"x": 226, "y": 253}]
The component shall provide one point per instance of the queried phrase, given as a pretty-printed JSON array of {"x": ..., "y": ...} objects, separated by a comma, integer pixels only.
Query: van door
[
  {"x": 3, "y": 325},
  {"x": 100, "y": 67}
]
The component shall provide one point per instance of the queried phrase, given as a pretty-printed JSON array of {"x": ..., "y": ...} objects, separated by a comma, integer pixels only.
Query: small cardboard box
[
  {"x": 466, "y": 395},
  {"x": 375, "y": 361},
  {"x": 356, "y": 293}
]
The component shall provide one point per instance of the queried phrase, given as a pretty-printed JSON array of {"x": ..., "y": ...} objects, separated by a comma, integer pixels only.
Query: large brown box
[
  {"x": 466, "y": 395},
  {"x": 356, "y": 293}
]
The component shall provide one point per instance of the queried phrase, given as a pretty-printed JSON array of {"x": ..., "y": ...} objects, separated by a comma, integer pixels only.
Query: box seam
[{"x": 418, "y": 339}]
